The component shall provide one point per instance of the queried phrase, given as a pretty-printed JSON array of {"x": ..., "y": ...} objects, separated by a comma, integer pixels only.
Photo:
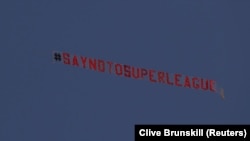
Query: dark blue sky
[{"x": 41, "y": 100}]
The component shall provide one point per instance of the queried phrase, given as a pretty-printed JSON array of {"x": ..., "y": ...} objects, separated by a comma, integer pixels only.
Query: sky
[{"x": 43, "y": 100}]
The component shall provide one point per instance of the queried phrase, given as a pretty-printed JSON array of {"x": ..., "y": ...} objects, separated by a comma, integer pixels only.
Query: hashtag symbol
[{"x": 57, "y": 56}]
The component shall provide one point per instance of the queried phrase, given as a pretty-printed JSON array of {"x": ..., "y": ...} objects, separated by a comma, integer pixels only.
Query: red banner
[{"x": 154, "y": 76}]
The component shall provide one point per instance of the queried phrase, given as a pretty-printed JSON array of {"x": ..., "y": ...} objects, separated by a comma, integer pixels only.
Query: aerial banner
[{"x": 138, "y": 73}]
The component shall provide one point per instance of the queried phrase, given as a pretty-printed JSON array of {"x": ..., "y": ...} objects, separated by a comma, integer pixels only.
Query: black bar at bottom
[{"x": 193, "y": 132}]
